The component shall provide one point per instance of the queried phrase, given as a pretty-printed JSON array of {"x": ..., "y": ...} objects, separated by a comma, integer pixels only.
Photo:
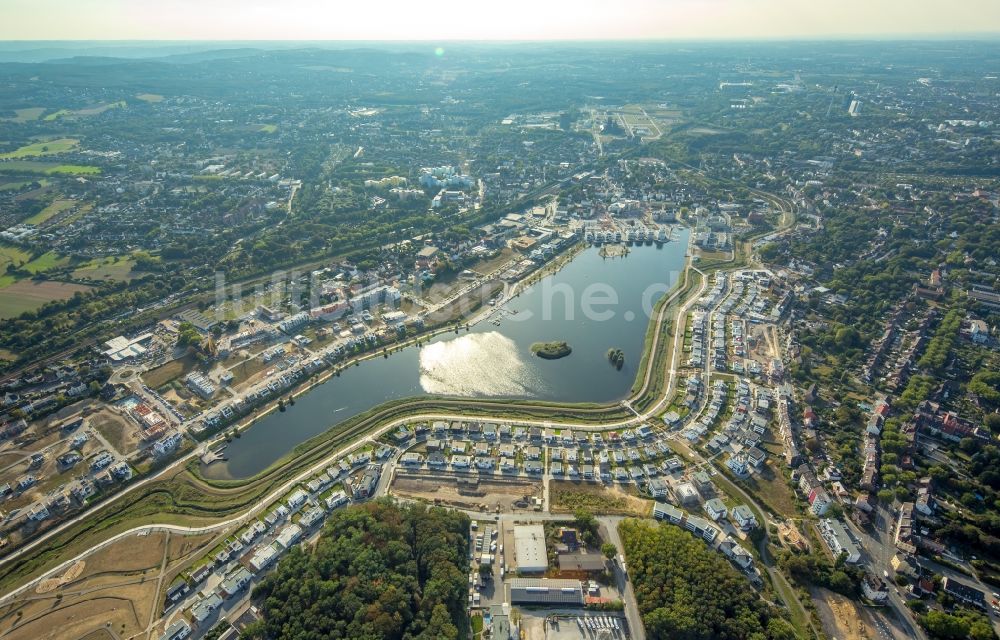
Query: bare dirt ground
[
  {"x": 484, "y": 267},
  {"x": 133, "y": 554},
  {"x": 765, "y": 345},
  {"x": 247, "y": 368},
  {"x": 184, "y": 401},
  {"x": 111, "y": 594},
  {"x": 48, "y": 439},
  {"x": 533, "y": 626},
  {"x": 183, "y": 546},
  {"x": 70, "y": 575},
  {"x": 486, "y": 497},
  {"x": 119, "y": 431},
  {"x": 841, "y": 618},
  {"x": 789, "y": 536},
  {"x": 121, "y": 609},
  {"x": 598, "y": 499}
]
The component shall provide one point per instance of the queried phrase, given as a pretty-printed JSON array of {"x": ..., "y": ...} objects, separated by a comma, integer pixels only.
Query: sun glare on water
[{"x": 477, "y": 364}]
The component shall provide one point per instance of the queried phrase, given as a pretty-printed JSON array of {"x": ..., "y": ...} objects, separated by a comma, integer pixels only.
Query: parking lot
[{"x": 572, "y": 625}]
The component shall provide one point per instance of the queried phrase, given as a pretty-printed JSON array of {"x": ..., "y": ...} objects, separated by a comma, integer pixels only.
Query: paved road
[
  {"x": 639, "y": 418},
  {"x": 159, "y": 586},
  {"x": 610, "y": 525},
  {"x": 879, "y": 547},
  {"x": 671, "y": 377}
]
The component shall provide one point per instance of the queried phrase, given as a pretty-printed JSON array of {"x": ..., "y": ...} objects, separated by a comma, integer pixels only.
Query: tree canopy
[
  {"x": 379, "y": 570},
  {"x": 686, "y": 591}
]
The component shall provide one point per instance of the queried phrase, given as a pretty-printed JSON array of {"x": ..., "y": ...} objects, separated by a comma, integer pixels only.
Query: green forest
[
  {"x": 379, "y": 570},
  {"x": 687, "y": 591}
]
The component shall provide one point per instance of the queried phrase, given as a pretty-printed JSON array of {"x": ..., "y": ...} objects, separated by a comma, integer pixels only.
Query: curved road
[
  {"x": 325, "y": 462},
  {"x": 639, "y": 417}
]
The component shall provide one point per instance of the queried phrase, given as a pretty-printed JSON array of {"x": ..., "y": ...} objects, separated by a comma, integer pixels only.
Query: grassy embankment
[{"x": 182, "y": 496}]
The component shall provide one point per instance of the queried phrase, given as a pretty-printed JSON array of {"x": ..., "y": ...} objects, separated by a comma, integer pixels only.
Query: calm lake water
[{"x": 593, "y": 303}]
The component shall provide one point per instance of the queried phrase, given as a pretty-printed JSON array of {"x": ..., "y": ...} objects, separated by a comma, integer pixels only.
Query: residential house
[
  {"x": 716, "y": 509},
  {"x": 743, "y": 517},
  {"x": 874, "y": 588}
]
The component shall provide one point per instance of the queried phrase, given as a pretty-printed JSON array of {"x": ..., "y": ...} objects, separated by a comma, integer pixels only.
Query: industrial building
[
  {"x": 529, "y": 548},
  {"x": 546, "y": 591},
  {"x": 122, "y": 348}
]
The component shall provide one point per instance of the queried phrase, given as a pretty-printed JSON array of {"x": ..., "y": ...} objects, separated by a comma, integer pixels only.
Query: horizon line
[{"x": 860, "y": 37}]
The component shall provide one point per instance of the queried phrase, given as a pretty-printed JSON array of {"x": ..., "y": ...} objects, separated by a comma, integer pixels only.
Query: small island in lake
[
  {"x": 551, "y": 350},
  {"x": 616, "y": 357}
]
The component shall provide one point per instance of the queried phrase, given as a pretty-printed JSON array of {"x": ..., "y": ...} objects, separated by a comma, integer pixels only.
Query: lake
[{"x": 593, "y": 303}]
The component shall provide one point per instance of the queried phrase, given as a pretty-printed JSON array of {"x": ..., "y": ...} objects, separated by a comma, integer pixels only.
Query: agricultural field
[
  {"x": 150, "y": 97},
  {"x": 28, "y": 295},
  {"x": 267, "y": 128},
  {"x": 56, "y": 207},
  {"x": 90, "y": 111},
  {"x": 44, "y": 148},
  {"x": 14, "y": 185},
  {"x": 75, "y": 215},
  {"x": 110, "y": 268},
  {"x": 26, "y": 115},
  {"x": 12, "y": 255},
  {"x": 47, "y": 168},
  {"x": 46, "y": 261},
  {"x": 44, "y": 186}
]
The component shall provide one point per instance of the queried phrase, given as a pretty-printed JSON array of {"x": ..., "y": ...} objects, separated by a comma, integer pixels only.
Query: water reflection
[{"x": 477, "y": 364}]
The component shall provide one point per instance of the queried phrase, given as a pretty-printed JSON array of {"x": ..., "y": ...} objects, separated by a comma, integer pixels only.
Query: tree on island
[
  {"x": 616, "y": 357},
  {"x": 551, "y": 350}
]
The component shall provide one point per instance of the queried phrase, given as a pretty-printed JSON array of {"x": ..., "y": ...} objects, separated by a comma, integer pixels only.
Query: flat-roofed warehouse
[
  {"x": 546, "y": 591},
  {"x": 529, "y": 548}
]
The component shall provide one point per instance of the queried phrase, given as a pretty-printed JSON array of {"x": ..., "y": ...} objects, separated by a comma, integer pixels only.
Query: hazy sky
[{"x": 487, "y": 19}]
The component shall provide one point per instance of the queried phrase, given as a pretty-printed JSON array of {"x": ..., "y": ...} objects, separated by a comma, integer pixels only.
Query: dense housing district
[{"x": 193, "y": 255}]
